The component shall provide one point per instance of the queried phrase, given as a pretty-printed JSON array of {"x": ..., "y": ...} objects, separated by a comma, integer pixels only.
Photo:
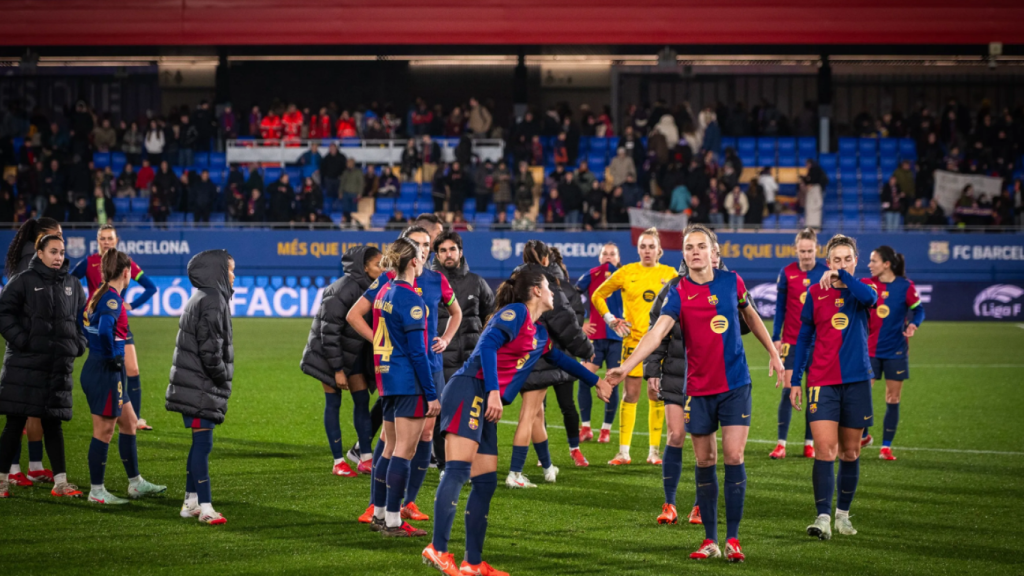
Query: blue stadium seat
[
  {"x": 122, "y": 205},
  {"x": 350, "y": 142},
  {"x": 379, "y": 220},
  {"x": 829, "y": 163},
  {"x": 848, "y": 177},
  {"x": 832, "y": 223},
  {"x": 101, "y": 160},
  {"x": 218, "y": 160},
  {"x": 872, "y": 223},
  {"x": 847, "y": 162},
  {"x": 908, "y": 150},
  {"x": 746, "y": 145},
  {"x": 807, "y": 147},
  {"x": 218, "y": 176},
  {"x": 613, "y": 144},
  {"x": 888, "y": 165},
  {"x": 597, "y": 145},
  {"x": 136, "y": 218},
  {"x": 485, "y": 219},
  {"x": 869, "y": 162},
  {"x": 178, "y": 171},
  {"x": 294, "y": 176},
  {"x": 766, "y": 147},
  {"x": 336, "y": 217},
  {"x": 788, "y": 221},
  {"x": 406, "y": 206},
  {"x": 271, "y": 175},
  {"x": 869, "y": 179},
  {"x": 217, "y": 218},
  {"x": 888, "y": 146},
  {"x": 787, "y": 150},
  {"x": 770, "y": 221},
  {"x": 424, "y": 206},
  {"x": 868, "y": 147},
  {"x": 468, "y": 206},
  {"x": 385, "y": 206},
  {"x": 201, "y": 159},
  {"x": 728, "y": 142},
  {"x": 307, "y": 171},
  {"x": 117, "y": 161},
  {"x": 408, "y": 196},
  {"x": 176, "y": 217},
  {"x": 410, "y": 188},
  {"x": 748, "y": 158},
  {"x": 140, "y": 205},
  {"x": 848, "y": 146},
  {"x": 788, "y": 190}
]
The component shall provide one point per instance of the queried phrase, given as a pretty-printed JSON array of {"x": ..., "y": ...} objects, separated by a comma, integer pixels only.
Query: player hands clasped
[
  {"x": 472, "y": 404},
  {"x": 889, "y": 332},
  {"x": 707, "y": 303},
  {"x": 639, "y": 283},
  {"x": 792, "y": 286},
  {"x": 201, "y": 373},
  {"x": 834, "y": 336}
]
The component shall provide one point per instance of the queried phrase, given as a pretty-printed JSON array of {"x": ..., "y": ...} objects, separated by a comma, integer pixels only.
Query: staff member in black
[{"x": 38, "y": 318}]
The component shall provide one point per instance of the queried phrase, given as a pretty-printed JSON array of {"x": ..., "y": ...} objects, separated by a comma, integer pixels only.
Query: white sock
[
  {"x": 134, "y": 481},
  {"x": 97, "y": 488},
  {"x": 378, "y": 512},
  {"x": 393, "y": 519},
  {"x": 365, "y": 457},
  {"x": 606, "y": 426},
  {"x": 825, "y": 516},
  {"x": 653, "y": 451},
  {"x": 340, "y": 460},
  {"x": 15, "y": 469},
  {"x": 808, "y": 442},
  {"x": 35, "y": 466},
  {"x": 206, "y": 508},
  {"x": 842, "y": 513},
  {"x": 782, "y": 443},
  {"x": 624, "y": 449},
  {"x": 192, "y": 498},
  {"x": 60, "y": 479},
  {"x": 585, "y": 424}
]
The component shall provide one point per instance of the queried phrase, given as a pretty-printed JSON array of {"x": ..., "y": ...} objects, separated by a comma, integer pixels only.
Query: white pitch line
[{"x": 759, "y": 441}]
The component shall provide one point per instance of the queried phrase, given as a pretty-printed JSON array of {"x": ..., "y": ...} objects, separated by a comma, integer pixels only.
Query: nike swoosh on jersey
[
  {"x": 691, "y": 297},
  {"x": 793, "y": 277},
  {"x": 822, "y": 297},
  {"x": 38, "y": 289}
]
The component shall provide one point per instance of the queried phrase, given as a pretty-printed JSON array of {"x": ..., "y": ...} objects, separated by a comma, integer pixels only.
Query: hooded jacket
[
  {"x": 203, "y": 362},
  {"x": 333, "y": 345},
  {"x": 477, "y": 302},
  {"x": 39, "y": 311},
  {"x": 563, "y": 328}
]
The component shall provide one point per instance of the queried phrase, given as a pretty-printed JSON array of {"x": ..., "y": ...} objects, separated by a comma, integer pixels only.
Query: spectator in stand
[
  {"x": 154, "y": 143},
  {"x": 172, "y": 137},
  {"x": 502, "y": 188},
  {"x": 7, "y": 200},
  {"x": 621, "y": 166},
  {"x": 917, "y": 215},
  {"x": 132, "y": 143},
  {"x": 235, "y": 205},
  {"x": 756, "y": 200},
  {"x": 681, "y": 198},
  {"x": 203, "y": 195},
  {"x": 235, "y": 178},
  {"x": 79, "y": 212},
  {"x": 104, "y": 137},
  {"x": 455, "y": 123},
  {"x": 459, "y": 223},
  {"x": 145, "y": 178},
  {"x": 353, "y": 180},
  {"x": 520, "y": 148},
  {"x": 312, "y": 156},
  {"x": 712, "y": 198},
  {"x": 936, "y": 215},
  {"x": 1003, "y": 211},
  {"x": 374, "y": 130},
  {"x": 159, "y": 208},
  {"x": 480, "y": 119},
  {"x": 616, "y": 209},
  {"x": 892, "y": 204},
  {"x": 205, "y": 125},
  {"x": 168, "y": 184},
  {"x": 320, "y": 125},
  {"x": 553, "y": 210},
  {"x": 102, "y": 207},
  {"x": 410, "y": 161},
  {"x": 560, "y": 151},
  {"x": 54, "y": 182},
  {"x": 592, "y": 218},
  {"x": 255, "y": 122},
  {"x": 255, "y": 180},
  {"x": 124, "y": 186},
  {"x": 332, "y": 166},
  {"x": 632, "y": 193},
  {"x": 346, "y": 126},
  {"x": 398, "y": 221},
  {"x": 904, "y": 176},
  {"x": 524, "y": 189},
  {"x": 282, "y": 200},
  {"x": 536, "y": 151},
  {"x": 187, "y": 142},
  {"x": 572, "y": 138},
  {"x": 82, "y": 123},
  {"x": 521, "y": 222},
  {"x": 593, "y": 198},
  {"x": 457, "y": 186},
  {"x": 291, "y": 125},
  {"x": 572, "y": 201},
  {"x": 584, "y": 177},
  {"x": 737, "y": 205},
  {"x": 181, "y": 203},
  {"x": 227, "y": 124},
  {"x": 815, "y": 181},
  {"x": 439, "y": 189},
  {"x": 422, "y": 118},
  {"x": 767, "y": 184},
  {"x": 311, "y": 201},
  {"x": 501, "y": 222},
  {"x": 430, "y": 157},
  {"x": 388, "y": 185},
  {"x": 271, "y": 128}
]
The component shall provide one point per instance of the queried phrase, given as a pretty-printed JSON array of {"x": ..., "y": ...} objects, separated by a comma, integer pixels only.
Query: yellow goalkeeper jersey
[{"x": 639, "y": 286}]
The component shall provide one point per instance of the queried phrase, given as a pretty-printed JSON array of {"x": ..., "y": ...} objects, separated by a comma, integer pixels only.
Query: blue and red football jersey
[
  {"x": 889, "y": 318},
  {"x": 107, "y": 327},
  {"x": 792, "y": 287},
  {"x": 836, "y": 320},
  {"x": 400, "y": 344},
  {"x": 709, "y": 317},
  {"x": 587, "y": 284}
]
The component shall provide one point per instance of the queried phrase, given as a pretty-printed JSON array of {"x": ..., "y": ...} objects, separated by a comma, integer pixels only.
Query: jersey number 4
[{"x": 382, "y": 342}]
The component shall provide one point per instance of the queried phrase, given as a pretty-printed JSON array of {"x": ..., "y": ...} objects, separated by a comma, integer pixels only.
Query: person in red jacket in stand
[
  {"x": 292, "y": 123},
  {"x": 270, "y": 128},
  {"x": 320, "y": 125},
  {"x": 347, "y": 126}
]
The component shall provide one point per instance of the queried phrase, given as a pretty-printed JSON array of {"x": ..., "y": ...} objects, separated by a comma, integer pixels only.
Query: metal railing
[{"x": 362, "y": 151}]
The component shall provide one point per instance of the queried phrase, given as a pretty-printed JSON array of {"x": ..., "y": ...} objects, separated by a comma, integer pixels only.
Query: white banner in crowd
[{"x": 949, "y": 186}]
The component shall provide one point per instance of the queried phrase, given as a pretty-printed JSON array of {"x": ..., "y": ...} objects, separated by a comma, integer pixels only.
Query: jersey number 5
[
  {"x": 477, "y": 403},
  {"x": 382, "y": 342}
]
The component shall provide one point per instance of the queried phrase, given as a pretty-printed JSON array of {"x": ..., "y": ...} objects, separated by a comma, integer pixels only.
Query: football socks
[
  {"x": 332, "y": 424},
  {"x": 477, "y": 508},
  {"x": 35, "y": 455},
  {"x": 585, "y": 398},
  {"x": 380, "y": 482},
  {"x": 544, "y": 455},
  {"x": 128, "y": 449},
  {"x": 785, "y": 415},
  {"x": 418, "y": 469},
  {"x": 849, "y": 474},
  {"x": 518, "y": 458},
  {"x": 97, "y": 461},
  {"x": 707, "y": 500},
  {"x": 610, "y": 408},
  {"x": 824, "y": 479},
  {"x": 627, "y": 420},
  {"x": 456, "y": 473},
  {"x": 671, "y": 471},
  {"x": 202, "y": 445},
  {"x": 655, "y": 421},
  {"x": 892, "y": 419},
  {"x": 361, "y": 420},
  {"x": 135, "y": 394},
  {"x": 735, "y": 494},
  {"x": 397, "y": 479}
]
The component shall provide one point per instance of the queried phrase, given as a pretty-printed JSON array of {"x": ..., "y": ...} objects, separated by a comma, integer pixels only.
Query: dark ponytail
[
  {"x": 556, "y": 259},
  {"x": 535, "y": 251},
  {"x": 896, "y": 261},
  {"x": 517, "y": 289},
  {"x": 29, "y": 232}
]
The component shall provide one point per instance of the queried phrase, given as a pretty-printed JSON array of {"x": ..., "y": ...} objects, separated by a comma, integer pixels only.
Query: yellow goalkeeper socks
[
  {"x": 655, "y": 421},
  {"x": 627, "y": 420}
]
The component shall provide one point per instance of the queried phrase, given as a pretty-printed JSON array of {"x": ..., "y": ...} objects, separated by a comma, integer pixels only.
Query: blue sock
[
  {"x": 135, "y": 394},
  {"x": 361, "y": 420},
  {"x": 892, "y": 419},
  {"x": 865, "y": 434},
  {"x": 190, "y": 484},
  {"x": 518, "y": 458},
  {"x": 397, "y": 479},
  {"x": 574, "y": 442},
  {"x": 456, "y": 473},
  {"x": 35, "y": 450},
  {"x": 707, "y": 500},
  {"x": 332, "y": 424},
  {"x": 611, "y": 406},
  {"x": 377, "y": 453},
  {"x": 735, "y": 494},
  {"x": 418, "y": 470},
  {"x": 543, "y": 454},
  {"x": 477, "y": 508},
  {"x": 585, "y": 398},
  {"x": 824, "y": 477},
  {"x": 849, "y": 474},
  {"x": 380, "y": 481},
  {"x": 671, "y": 471},
  {"x": 785, "y": 414},
  {"x": 97, "y": 461},
  {"x": 202, "y": 445},
  {"x": 129, "y": 451}
]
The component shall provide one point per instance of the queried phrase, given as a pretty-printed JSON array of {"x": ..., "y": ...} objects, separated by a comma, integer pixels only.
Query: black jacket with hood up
[{"x": 476, "y": 299}]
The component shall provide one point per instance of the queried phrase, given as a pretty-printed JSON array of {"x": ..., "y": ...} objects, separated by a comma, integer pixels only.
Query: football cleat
[
  {"x": 886, "y": 453},
  {"x": 820, "y": 528},
  {"x": 481, "y": 569},
  {"x": 779, "y": 453},
  {"x": 668, "y": 514},
  {"x": 443, "y": 561},
  {"x": 733, "y": 552},
  {"x": 19, "y": 479},
  {"x": 365, "y": 467},
  {"x": 586, "y": 434},
  {"x": 144, "y": 488},
  {"x": 42, "y": 476},
  {"x": 353, "y": 455},
  {"x": 377, "y": 524},
  {"x": 190, "y": 509},
  {"x": 343, "y": 469},
  {"x": 142, "y": 425},
  {"x": 866, "y": 441},
  {"x": 654, "y": 457},
  {"x": 367, "y": 516},
  {"x": 707, "y": 550},
  {"x": 4, "y": 490},
  {"x": 605, "y": 436},
  {"x": 212, "y": 519},
  {"x": 550, "y": 474},
  {"x": 578, "y": 459},
  {"x": 517, "y": 480},
  {"x": 102, "y": 496},
  {"x": 411, "y": 512},
  {"x": 843, "y": 525},
  {"x": 404, "y": 530},
  {"x": 808, "y": 450},
  {"x": 695, "y": 516},
  {"x": 65, "y": 490},
  {"x": 620, "y": 460}
]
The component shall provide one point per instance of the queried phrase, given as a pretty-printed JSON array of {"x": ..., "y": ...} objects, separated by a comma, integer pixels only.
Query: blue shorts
[
  {"x": 609, "y": 351},
  {"x": 788, "y": 356},
  {"x": 130, "y": 340},
  {"x": 439, "y": 382},
  {"x": 404, "y": 406},
  {"x": 104, "y": 388},
  {"x": 847, "y": 404},
  {"x": 197, "y": 423},
  {"x": 703, "y": 414},
  {"x": 891, "y": 368},
  {"x": 462, "y": 413}
]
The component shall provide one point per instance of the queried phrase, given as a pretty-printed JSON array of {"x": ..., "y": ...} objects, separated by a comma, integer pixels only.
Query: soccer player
[
  {"x": 405, "y": 382},
  {"x": 337, "y": 356},
  {"x": 201, "y": 371},
  {"x": 472, "y": 404},
  {"x": 607, "y": 343},
  {"x": 792, "y": 286},
  {"x": 834, "y": 336},
  {"x": 90, "y": 269},
  {"x": 708, "y": 303},
  {"x": 889, "y": 331},
  {"x": 105, "y": 321},
  {"x": 639, "y": 283}
]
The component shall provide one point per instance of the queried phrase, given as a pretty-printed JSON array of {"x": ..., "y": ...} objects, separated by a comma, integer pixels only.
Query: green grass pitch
[{"x": 950, "y": 505}]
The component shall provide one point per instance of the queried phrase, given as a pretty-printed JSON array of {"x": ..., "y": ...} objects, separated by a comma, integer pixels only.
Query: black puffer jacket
[
  {"x": 476, "y": 299},
  {"x": 39, "y": 311},
  {"x": 203, "y": 362},
  {"x": 563, "y": 329},
  {"x": 333, "y": 345}
]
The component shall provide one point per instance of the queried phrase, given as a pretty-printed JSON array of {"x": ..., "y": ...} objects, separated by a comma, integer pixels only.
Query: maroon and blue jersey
[
  {"x": 587, "y": 284},
  {"x": 107, "y": 327},
  {"x": 400, "y": 361},
  {"x": 888, "y": 320},
  {"x": 709, "y": 317},
  {"x": 93, "y": 274},
  {"x": 835, "y": 320},
  {"x": 791, "y": 288},
  {"x": 509, "y": 347}
]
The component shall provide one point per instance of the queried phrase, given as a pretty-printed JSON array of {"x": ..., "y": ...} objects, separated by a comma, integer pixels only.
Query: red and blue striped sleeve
[{"x": 914, "y": 303}]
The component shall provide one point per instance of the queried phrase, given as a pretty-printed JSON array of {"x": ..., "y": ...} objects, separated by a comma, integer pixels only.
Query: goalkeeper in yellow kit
[{"x": 639, "y": 283}]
